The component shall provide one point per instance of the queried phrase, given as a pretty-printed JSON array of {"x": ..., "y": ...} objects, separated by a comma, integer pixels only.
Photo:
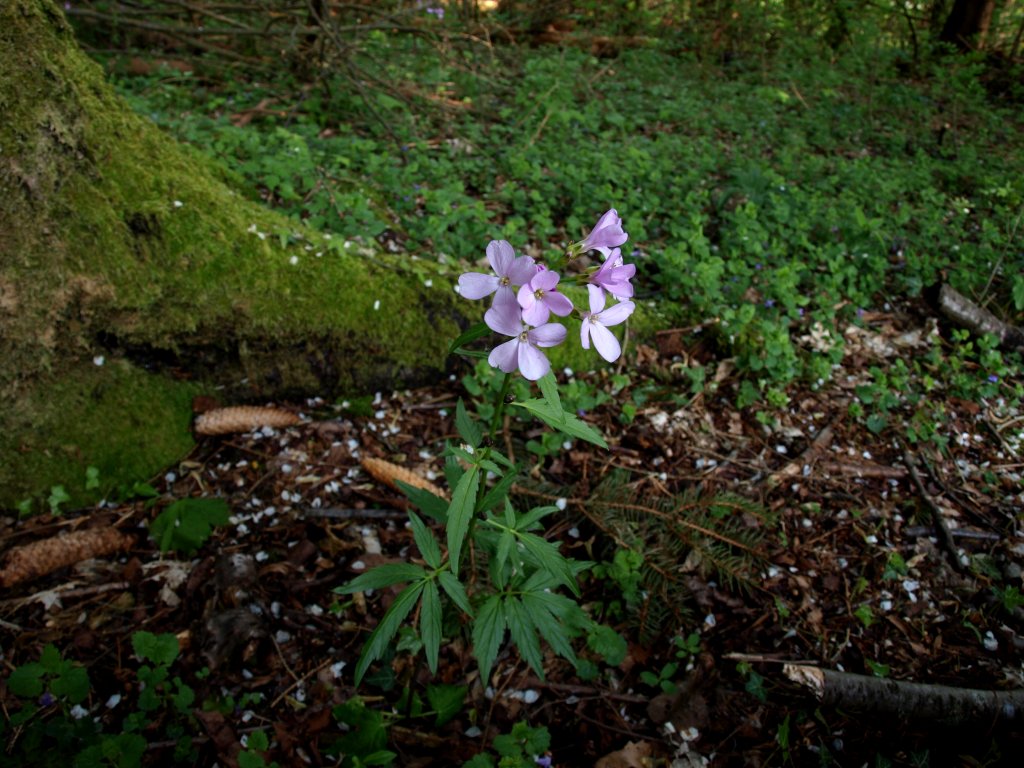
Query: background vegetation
[{"x": 778, "y": 164}]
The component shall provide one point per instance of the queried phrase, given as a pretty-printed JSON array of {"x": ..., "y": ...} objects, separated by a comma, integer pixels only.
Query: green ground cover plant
[{"x": 770, "y": 201}]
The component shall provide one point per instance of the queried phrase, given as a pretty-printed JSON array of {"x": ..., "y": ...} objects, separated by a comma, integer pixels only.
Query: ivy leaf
[
  {"x": 446, "y": 700},
  {"x": 425, "y": 541},
  {"x": 488, "y": 633},
  {"x": 468, "y": 429},
  {"x": 159, "y": 649},
  {"x": 382, "y": 636},
  {"x": 430, "y": 624},
  {"x": 460, "y": 512},
  {"x": 26, "y": 681},
  {"x": 383, "y": 576},
  {"x": 187, "y": 523}
]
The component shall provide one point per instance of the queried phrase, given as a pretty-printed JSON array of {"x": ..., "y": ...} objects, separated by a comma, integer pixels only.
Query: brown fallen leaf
[
  {"x": 39, "y": 558},
  {"x": 636, "y": 754}
]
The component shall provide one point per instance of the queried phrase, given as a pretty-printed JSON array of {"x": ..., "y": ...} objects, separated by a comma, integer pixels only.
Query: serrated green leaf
[
  {"x": 548, "y": 625},
  {"x": 506, "y": 541},
  {"x": 550, "y": 559},
  {"x": 50, "y": 659},
  {"x": 381, "y": 637},
  {"x": 488, "y": 634},
  {"x": 549, "y": 388},
  {"x": 425, "y": 541},
  {"x": 524, "y": 634},
  {"x": 529, "y": 520},
  {"x": 460, "y": 512},
  {"x": 564, "y": 422},
  {"x": 447, "y": 701},
  {"x": 72, "y": 683},
  {"x": 454, "y": 589},
  {"x": 159, "y": 649},
  {"x": 473, "y": 333},
  {"x": 430, "y": 624},
  {"x": 607, "y": 643},
  {"x": 468, "y": 429},
  {"x": 432, "y": 506},
  {"x": 383, "y": 576},
  {"x": 497, "y": 494}
]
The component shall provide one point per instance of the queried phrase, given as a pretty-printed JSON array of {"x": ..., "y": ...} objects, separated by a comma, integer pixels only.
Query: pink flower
[
  {"x": 523, "y": 351},
  {"x": 605, "y": 235},
  {"x": 508, "y": 271},
  {"x": 596, "y": 321},
  {"x": 614, "y": 276},
  {"x": 539, "y": 299}
]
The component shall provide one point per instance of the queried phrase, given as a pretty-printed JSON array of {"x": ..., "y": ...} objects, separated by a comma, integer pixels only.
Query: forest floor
[{"x": 853, "y": 575}]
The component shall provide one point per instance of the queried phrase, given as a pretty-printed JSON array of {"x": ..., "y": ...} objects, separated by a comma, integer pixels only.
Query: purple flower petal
[
  {"x": 558, "y": 303},
  {"x": 547, "y": 335},
  {"x": 532, "y": 362},
  {"x": 596, "y": 299},
  {"x": 616, "y": 313},
  {"x": 537, "y": 313},
  {"x": 604, "y": 340},
  {"x": 500, "y": 255},
  {"x": 504, "y": 317},
  {"x": 522, "y": 270},
  {"x": 505, "y": 357},
  {"x": 476, "y": 285}
]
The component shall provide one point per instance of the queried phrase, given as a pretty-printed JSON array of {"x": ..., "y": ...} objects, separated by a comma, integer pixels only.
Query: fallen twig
[
  {"x": 919, "y": 701},
  {"x": 945, "y": 537}
]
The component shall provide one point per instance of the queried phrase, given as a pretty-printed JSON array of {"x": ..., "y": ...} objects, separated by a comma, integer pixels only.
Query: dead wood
[
  {"x": 913, "y": 701},
  {"x": 945, "y": 537},
  {"x": 979, "y": 320}
]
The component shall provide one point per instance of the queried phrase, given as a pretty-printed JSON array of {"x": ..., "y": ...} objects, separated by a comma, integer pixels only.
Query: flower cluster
[{"x": 526, "y": 295}]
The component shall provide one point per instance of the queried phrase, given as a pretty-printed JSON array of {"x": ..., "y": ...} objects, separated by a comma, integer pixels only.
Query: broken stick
[{"x": 916, "y": 701}]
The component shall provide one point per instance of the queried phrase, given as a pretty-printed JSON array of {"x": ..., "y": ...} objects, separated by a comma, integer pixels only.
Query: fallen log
[
  {"x": 913, "y": 701},
  {"x": 978, "y": 320}
]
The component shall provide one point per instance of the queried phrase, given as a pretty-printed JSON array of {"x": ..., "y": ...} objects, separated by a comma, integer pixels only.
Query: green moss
[
  {"x": 117, "y": 242},
  {"x": 115, "y": 417}
]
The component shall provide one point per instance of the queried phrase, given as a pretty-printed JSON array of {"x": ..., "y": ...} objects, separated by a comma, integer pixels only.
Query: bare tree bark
[
  {"x": 979, "y": 320},
  {"x": 967, "y": 24},
  {"x": 916, "y": 701}
]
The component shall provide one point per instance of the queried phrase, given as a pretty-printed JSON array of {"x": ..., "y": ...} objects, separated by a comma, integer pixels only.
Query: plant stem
[{"x": 499, "y": 407}]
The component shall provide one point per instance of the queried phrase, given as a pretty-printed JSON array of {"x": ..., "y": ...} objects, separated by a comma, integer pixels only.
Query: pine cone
[
  {"x": 242, "y": 418},
  {"x": 42, "y": 557},
  {"x": 389, "y": 473}
]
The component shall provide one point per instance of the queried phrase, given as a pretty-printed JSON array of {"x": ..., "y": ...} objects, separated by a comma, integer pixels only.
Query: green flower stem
[
  {"x": 499, "y": 407},
  {"x": 499, "y": 412}
]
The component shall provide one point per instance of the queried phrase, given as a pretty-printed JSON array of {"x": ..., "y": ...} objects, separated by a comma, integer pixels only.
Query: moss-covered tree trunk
[{"x": 132, "y": 277}]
